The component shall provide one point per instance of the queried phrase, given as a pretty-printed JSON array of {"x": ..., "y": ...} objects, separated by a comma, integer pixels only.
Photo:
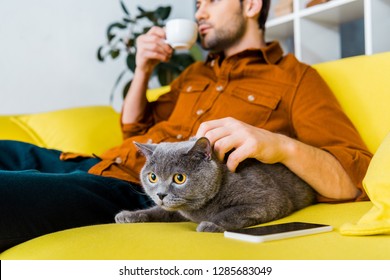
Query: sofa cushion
[
  {"x": 377, "y": 185},
  {"x": 154, "y": 94},
  {"x": 12, "y": 128},
  {"x": 172, "y": 241},
  {"x": 86, "y": 130},
  {"x": 360, "y": 84}
]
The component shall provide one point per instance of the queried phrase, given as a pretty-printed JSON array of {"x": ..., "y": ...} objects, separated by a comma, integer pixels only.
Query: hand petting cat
[
  {"x": 316, "y": 166},
  {"x": 245, "y": 141}
]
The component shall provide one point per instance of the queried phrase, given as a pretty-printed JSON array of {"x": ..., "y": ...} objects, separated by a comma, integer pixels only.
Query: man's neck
[{"x": 252, "y": 39}]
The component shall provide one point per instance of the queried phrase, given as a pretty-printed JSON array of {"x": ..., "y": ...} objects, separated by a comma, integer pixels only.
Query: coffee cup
[{"x": 181, "y": 33}]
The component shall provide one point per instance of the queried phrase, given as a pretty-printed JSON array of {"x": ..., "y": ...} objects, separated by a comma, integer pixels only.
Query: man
[
  {"x": 246, "y": 98},
  {"x": 231, "y": 27}
]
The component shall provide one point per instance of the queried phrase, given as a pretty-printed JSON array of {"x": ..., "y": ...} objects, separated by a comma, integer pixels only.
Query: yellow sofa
[{"x": 362, "y": 86}]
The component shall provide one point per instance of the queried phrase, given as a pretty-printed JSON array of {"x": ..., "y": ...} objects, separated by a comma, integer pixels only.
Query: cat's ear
[
  {"x": 146, "y": 149},
  {"x": 202, "y": 147}
]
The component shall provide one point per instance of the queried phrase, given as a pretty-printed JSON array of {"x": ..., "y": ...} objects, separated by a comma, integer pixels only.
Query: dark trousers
[{"x": 41, "y": 194}]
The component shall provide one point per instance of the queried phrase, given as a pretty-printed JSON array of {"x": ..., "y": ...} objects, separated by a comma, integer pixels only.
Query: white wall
[{"x": 48, "y": 51}]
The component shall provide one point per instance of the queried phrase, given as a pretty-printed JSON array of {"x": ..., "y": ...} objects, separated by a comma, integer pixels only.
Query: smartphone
[{"x": 275, "y": 232}]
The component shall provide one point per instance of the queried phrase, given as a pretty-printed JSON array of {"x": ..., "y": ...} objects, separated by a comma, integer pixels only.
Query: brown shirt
[{"x": 260, "y": 87}]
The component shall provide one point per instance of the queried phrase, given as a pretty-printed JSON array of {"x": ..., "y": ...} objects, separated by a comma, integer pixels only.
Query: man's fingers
[
  {"x": 152, "y": 45},
  {"x": 210, "y": 125},
  {"x": 217, "y": 133},
  {"x": 155, "y": 42},
  {"x": 237, "y": 156},
  {"x": 156, "y": 31},
  {"x": 224, "y": 145},
  {"x": 155, "y": 55},
  {"x": 205, "y": 127}
]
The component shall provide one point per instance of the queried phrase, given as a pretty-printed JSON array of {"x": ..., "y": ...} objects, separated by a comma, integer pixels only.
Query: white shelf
[
  {"x": 282, "y": 27},
  {"x": 314, "y": 34},
  {"x": 335, "y": 12}
]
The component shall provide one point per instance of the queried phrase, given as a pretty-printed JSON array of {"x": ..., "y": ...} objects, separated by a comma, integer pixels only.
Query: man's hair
[{"x": 263, "y": 13}]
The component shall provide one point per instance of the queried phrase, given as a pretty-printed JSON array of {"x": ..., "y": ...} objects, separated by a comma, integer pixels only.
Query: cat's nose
[{"x": 161, "y": 195}]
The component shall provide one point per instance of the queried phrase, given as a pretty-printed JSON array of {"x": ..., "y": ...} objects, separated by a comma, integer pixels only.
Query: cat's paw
[
  {"x": 209, "y": 227},
  {"x": 131, "y": 217}
]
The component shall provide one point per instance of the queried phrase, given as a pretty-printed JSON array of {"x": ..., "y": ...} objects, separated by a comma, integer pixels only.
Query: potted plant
[{"x": 121, "y": 39}]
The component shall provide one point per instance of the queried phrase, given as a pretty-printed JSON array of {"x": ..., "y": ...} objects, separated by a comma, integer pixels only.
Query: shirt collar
[{"x": 271, "y": 53}]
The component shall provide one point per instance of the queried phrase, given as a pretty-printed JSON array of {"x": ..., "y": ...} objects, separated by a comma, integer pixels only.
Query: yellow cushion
[
  {"x": 86, "y": 130},
  {"x": 181, "y": 241},
  {"x": 11, "y": 129},
  {"x": 377, "y": 186},
  {"x": 361, "y": 84},
  {"x": 153, "y": 94}
]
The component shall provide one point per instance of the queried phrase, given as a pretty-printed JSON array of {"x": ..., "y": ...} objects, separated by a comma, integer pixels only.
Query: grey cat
[{"x": 188, "y": 183}]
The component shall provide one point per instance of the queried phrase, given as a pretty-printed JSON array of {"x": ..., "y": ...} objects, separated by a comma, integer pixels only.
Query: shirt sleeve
[
  {"x": 318, "y": 120},
  {"x": 155, "y": 112}
]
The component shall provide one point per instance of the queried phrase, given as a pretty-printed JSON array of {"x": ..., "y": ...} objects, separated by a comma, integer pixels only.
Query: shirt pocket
[
  {"x": 188, "y": 99},
  {"x": 253, "y": 106}
]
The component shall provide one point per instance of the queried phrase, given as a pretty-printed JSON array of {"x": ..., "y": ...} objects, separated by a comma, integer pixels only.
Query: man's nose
[{"x": 201, "y": 13}]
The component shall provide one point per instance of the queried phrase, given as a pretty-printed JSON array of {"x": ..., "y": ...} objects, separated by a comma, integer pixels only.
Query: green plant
[{"x": 122, "y": 36}]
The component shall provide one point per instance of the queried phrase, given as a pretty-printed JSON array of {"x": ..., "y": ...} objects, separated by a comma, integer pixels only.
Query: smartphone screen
[{"x": 278, "y": 231}]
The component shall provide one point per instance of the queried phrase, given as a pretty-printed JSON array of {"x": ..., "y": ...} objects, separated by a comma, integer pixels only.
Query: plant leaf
[
  {"x": 129, "y": 20},
  {"x": 150, "y": 15},
  {"x": 140, "y": 9},
  {"x": 196, "y": 52},
  {"x": 166, "y": 73},
  {"x": 182, "y": 60},
  {"x": 124, "y": 8},
  {"x": 163, "y": 12},
  {"x": 115, "y": 53},
  {"x": 119, "y": 25},
  {"x": 146, "y": 29},
  {"x": 130, "y": 61},
  {"x": 130, "y": 43},
  {"x": 136, "y": 34},
  {"x": 100, "y": 57},
  {"x": 126, "y": 89}
]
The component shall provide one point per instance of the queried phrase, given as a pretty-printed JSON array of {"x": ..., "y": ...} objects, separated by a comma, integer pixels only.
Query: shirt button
[
  {"x": 179, "y": 137},
  {"x": 199, "y": 112},
  {"x": 189, "y": 88},
  {"x": 251, "y": 98},
  {"x": 219, "y": 88},
  {"x": 118, "y": 160}
]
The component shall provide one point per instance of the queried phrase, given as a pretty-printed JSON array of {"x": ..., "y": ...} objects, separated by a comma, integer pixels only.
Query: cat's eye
[
  {"x": 179, "y": 178},
  {"x": 152, "y": 178}
]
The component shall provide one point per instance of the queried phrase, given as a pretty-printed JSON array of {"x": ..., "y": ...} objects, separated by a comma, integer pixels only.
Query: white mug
[{"x": 181, "y": 33}]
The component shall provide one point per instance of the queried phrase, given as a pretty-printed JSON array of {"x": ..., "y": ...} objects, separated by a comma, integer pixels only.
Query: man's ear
[{"x": 252, "y": 8}]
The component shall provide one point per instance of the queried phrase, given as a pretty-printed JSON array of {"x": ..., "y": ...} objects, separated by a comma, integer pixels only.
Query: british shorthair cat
[{"x": 188, "y": 183}]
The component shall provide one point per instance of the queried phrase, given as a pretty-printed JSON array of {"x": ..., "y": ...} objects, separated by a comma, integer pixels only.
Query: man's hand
[
  {"x": 245, "y": 141},
  {"x": 152, "y": 49},
  {"x": 318, "y": 168}
]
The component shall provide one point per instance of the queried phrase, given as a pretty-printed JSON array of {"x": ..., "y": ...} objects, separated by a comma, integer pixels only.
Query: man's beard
[{"x": 226, "y": 37}]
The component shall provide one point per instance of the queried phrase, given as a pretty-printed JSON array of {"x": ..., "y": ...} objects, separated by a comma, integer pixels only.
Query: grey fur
[{"x": 212, "y": 196}]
